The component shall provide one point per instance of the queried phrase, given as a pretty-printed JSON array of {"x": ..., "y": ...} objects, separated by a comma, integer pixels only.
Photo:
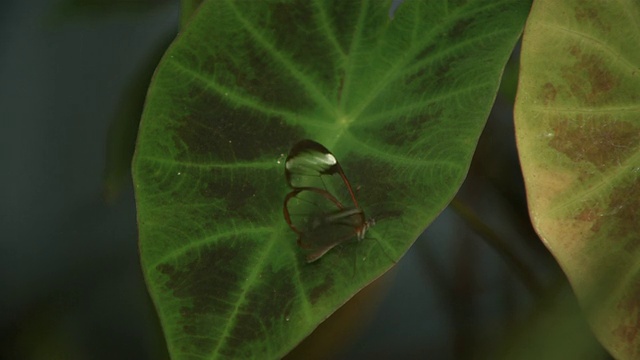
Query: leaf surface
[
  {"x": 399, "y": 97},
  {"x": 187, "y": 9},
  {"x": 578, "y": 131}
]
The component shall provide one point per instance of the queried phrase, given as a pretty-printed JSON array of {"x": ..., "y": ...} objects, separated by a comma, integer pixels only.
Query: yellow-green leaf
[{"x": 578, "y": 131}]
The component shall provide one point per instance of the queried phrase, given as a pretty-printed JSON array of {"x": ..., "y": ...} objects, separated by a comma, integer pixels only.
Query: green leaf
[
  {"x": 187, "y": 9},
  {"x": 578, "y": 129},
  {"x": 399, "y": 101}
]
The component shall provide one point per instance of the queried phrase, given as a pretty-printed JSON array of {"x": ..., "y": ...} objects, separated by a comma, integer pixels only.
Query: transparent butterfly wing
[
  {"x": 311, "y": 165},
  {"x": 321, "y": 221}
]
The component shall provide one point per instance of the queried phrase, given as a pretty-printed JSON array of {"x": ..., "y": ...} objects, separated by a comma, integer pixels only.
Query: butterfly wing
[
  {"x": 311, "y": 165},
  {"x": 320, "y": 220}
]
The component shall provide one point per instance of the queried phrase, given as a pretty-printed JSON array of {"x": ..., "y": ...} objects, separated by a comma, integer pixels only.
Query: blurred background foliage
[{"x": 477, "y": 284}]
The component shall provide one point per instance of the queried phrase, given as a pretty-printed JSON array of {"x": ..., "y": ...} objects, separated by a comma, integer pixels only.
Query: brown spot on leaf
[
  {"x": 442, "y": 71},
  {"x": 217, "y": 131},
  {"x": 435, "y": 76},
  {"x": 600, "y": 141},
  {"x": 205, "y": 284},
  {"x": 585, "y": 14},
  {"x": 457, "y": 3},
  {"x": 548, "y": 93},
  {"x": 376, "y": 186},
  {"x": 420, "y": 74},
  {"x": 428, "y": 50},
  {"x": 625, "y": 208},
  {"x": 411, "y": 127},
  {"x": 630, "y": 329},
  {"x": 236, "y": 192},
  {"x": 317, "y": 292},
  {"x": 293, "y": 27},
  {"x": 591, "y": 215},
  {"x": 459, "y": 28},
  {"x": 588, "y": 78},
  {"x": 266, "y": 305},
  {"x": 236, "y": 63}
]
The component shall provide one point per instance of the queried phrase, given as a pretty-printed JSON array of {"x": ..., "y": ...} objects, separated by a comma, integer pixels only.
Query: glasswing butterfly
[{"x": 320, "y": 220}]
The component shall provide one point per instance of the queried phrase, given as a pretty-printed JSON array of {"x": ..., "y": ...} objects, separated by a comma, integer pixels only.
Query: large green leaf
[
  {"x": 399, "y": 100},
  {"x": 187, "y": 9},
  {"x": 578, "y": 127}
]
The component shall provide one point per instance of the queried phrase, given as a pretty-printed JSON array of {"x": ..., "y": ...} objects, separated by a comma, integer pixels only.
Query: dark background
[{"x": 70, "y": 279}]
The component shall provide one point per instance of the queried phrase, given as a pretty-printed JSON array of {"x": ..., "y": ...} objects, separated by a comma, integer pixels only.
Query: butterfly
[{"x": 320, "y": 220}]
